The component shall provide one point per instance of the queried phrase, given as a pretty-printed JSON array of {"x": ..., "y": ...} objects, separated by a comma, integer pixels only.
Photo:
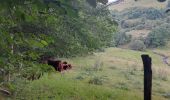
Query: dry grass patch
[
  {"x": 140, "y": 3},
  {"x": 161, "y": 73},
  {"x": 138, "y": 33}
]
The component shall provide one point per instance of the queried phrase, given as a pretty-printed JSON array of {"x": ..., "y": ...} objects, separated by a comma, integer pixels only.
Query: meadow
[
  {"x": 31, "y": 33},
  {"x": 115, "y": 74}
]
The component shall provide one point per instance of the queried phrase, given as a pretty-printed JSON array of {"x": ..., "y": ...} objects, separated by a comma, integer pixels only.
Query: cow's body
[{"x": 59, "y": 65}]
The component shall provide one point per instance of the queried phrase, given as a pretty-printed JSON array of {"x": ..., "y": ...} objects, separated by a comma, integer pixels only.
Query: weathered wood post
[{"x": 147, "y": 63}]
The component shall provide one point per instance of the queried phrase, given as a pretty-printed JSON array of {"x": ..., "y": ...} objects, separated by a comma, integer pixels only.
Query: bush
[
  {"x": 98, "y": 80},
  {"x": 158, "y": 37},
  {"x": 137, "y": 45},
  {"x": 130, "y": 24},
  {"x": 140, "y": 27},
  {"x": 149, "y": 13},
  {"x": 122, "y": 38}
]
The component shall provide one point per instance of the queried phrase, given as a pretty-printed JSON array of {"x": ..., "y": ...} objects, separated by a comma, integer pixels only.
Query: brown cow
[
  {"x": 66, "y": 65},
  {"x": 59, "y": 66},
  {"x": 56, "y": 64}
]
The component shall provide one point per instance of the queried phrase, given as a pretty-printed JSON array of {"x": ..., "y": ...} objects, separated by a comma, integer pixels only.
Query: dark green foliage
[
  {"x": 74, "y": 36},
  {"x": 94, "y": 2},
  {"x": 159, "y": 36},
  {"x": 30, "y": 29},
  {"x": 121, "y": 38},
  {"x": 23, "y": 37}
]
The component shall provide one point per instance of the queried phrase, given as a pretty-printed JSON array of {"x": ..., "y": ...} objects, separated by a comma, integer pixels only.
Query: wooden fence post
[{"x": 147, "y": 63}]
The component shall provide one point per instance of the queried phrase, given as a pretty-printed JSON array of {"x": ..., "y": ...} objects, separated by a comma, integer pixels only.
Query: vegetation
[
  {"x": 149, "y": 13},
  {"x": 138, "y": 45},
  {"x": 121, "y": 38},
  {"x": 153, "y": 24},
  {"x": 32, "y": 29},
  {"x": 120, "y": 79},
  {"x": 159, "y": 36},
  {"x": 140, "y": 3},
  {"x": 74, "y": 31}
]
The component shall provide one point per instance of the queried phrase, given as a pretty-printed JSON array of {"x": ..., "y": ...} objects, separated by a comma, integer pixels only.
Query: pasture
[{"x": 115, "y": 74}]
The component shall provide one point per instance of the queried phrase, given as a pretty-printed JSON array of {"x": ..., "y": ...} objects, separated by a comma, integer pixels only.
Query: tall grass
[
  {"x": 117, "y": 75},
  {"x": 57, "y": 87}
]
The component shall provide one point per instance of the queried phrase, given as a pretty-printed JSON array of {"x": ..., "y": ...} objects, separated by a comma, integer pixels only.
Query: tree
[
  {"x": 26, "y": 30},
  {"x": 121, "y": 38},
  {"x": 137, "y": 45},
  {"x": 158, "y": 37},
  {"x": 33, "y": 28}
]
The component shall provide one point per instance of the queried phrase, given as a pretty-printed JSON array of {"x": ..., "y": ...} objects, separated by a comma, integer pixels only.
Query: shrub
[
  {"x": 80, "y": 77},
  {"x": 149, "y": 13},
  {"x": 122, "y": 38},
  {"x": 158, "y": 37},
  {"x": 140, "y": 27},
  {"x": 137, "y": 45},
  {"x": 98, "y": 80},
  {"x": 130, "y": 24}
]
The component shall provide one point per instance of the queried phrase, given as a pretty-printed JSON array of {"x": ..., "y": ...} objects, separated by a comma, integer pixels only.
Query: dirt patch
[{"x": 138, "y": 33}]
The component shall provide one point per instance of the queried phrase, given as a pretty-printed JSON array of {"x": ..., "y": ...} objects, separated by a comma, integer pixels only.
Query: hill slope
[
  {"x": 140, "y": 3},
  {"x": 115, "y": 74}
]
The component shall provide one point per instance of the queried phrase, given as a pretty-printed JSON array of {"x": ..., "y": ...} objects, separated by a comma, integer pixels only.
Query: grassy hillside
[
  {"x": 140, "y": 22},
  {"x": 116, "y": 74},
  {"x": 30, "y": 36},
  {"x": 140, "y": 3}
]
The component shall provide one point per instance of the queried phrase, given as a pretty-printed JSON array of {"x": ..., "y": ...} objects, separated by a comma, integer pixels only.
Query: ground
[{"x": 115, "y": 74}]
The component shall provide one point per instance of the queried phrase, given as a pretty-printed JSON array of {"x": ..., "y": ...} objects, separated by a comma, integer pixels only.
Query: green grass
[
  {"x": 61, "y": 88},
  {"x": 57, "y": 87},
  {"x": 116, "y": 74}
]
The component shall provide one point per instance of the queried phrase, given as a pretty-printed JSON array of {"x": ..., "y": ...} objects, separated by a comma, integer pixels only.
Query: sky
[{"x": 112, "y": 0}]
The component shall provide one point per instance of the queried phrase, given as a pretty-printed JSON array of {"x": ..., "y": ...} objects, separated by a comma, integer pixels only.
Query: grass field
[
  {"x": 140, "y": 3},
  {"x": 116, "y": 74}
]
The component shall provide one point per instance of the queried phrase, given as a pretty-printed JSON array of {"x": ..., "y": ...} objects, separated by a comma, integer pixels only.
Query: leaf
[
  {"x": 44, "y": 42},
  {"x": 35, "y": 44},
  {"x": 92, "y": 2}
]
